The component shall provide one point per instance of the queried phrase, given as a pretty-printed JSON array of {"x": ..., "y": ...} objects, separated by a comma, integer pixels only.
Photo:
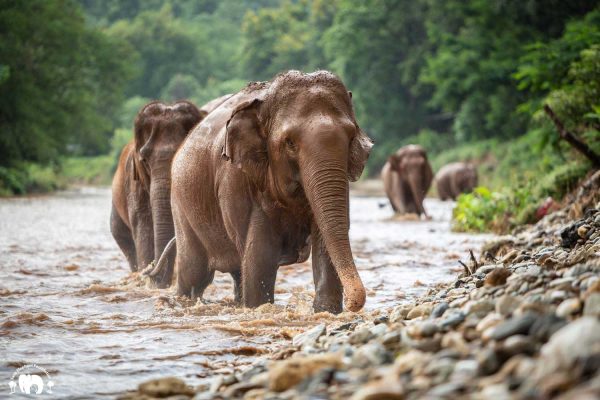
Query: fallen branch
[{"x": 573, "y": 140}]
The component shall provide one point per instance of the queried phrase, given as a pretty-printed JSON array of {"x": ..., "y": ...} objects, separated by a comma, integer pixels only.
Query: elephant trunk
[
  {"x": 162, "y": 217},
  {"x": 325, "y": 183},
  {"x": 418, "y": 192}
]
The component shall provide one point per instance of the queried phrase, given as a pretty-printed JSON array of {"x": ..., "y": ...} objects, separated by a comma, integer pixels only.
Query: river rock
[
  {"x": 571, "y": 343},
  {"x": 518, "y": 344},
  {"x": 370, "y": 354},
  {"x": 310, "y": 337},
  {"x": 360, "y": 336},
  {"x": 453, "y": 319},
  {"x": 439, "y": 310},
  {"x": 165, "y": 387},
  {"x": 497, "y": 277},
  {"x": 422, "y": 310},
  {"x": 388, "y": 388},
  {"x": 568, "y": 307},
  {"x": 513, "y": 326},
  {"x": 592, "y": 305},
  {"x": 422, "y": 330},
  {"x": 479, "y": 307},
  {"x": 399, "y": 313},
  {"x": 507, "y": 304},
  {"x": 288, "y": 373}
]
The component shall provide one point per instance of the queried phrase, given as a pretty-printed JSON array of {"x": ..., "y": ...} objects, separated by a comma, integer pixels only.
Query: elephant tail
[{"x": 162, "y": 268}]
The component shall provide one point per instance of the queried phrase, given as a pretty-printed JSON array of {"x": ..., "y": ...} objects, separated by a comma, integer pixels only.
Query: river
[{"x": 69, "y": 304}]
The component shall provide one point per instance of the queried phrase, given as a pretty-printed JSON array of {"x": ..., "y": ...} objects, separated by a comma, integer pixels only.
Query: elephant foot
[{"x": 333, "y": 307}]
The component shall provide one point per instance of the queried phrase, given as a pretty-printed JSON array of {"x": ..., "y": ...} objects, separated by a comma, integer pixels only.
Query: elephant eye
[{"x": 290, "y": 144}]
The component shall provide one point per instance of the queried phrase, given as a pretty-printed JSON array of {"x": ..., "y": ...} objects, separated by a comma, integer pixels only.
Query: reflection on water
[{"x": 69, "y": 304}]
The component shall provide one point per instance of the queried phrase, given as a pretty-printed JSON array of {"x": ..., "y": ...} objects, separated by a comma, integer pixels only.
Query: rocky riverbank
[{"x": 521, "y": 321}]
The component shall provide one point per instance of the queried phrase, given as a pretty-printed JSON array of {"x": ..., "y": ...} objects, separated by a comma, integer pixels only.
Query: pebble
[
  {"x": 592, "y": 305},
  {"x": 439, "y": 310},
  {"x": 452, "y": 320},
  {"x": 568, "y": 307},
  {"x": 310, "y": 337},
  {"x": 507, "y": 304},
  {"x": 480, "y": 307},
  {"x": 165, "y": 387},
  {"x": 360, "y": 336},
  {"x": 497, "y": 277},
  {"x": 513, "y": 326},
  {"x": 371, "y": 354},
  {"x": 518, "y": 344},
  {"x": 422, "y": 310},
  {"x": 399, "y": 313}
]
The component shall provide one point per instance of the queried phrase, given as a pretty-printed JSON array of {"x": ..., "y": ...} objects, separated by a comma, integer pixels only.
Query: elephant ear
[
  {"x": 246, "y": 143},
  {"x": 360, "y": 147}
]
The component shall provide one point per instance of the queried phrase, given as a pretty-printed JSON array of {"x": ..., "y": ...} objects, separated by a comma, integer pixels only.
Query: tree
[{"x": 60, "y": 82}]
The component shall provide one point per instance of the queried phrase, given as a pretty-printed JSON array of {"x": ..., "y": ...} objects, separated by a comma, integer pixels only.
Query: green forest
[{"x": 465, "y": 79}]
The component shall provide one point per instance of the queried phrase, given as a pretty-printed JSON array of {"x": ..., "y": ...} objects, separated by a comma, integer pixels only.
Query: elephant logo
[
  {"x": 26, "y": 381},
  {"x": 29, "y": 382}
]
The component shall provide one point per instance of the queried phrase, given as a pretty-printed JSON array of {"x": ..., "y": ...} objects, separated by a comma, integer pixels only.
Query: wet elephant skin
[{"x": 262, "y": 181}]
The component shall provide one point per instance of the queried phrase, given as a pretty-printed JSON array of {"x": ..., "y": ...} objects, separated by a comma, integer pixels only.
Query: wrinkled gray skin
[
  {"x": 454, "y": 179},
  {"x": 407, "y": 177}
]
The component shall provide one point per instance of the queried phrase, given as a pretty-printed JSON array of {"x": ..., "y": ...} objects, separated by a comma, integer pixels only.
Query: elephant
[
  {"x": 455, "y": 178},
  {"x": 407, "y": 177},
  {"x": 262, "y": 181},
  {"x": 141, "y": 220},
  {"x": 26, "y": 381}
]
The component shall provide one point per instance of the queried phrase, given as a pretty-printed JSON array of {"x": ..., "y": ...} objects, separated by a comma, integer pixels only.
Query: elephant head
[
  {"x": 297, "y": 139},
  {"x": 26, "y": 381},
  {"x": 411, "y": 164},
  {"x": 159, "y": 131},
  {"x": 467, "y": 178}
]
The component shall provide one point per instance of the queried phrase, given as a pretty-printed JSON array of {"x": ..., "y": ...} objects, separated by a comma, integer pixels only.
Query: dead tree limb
[{"x": 573, "y": 140}]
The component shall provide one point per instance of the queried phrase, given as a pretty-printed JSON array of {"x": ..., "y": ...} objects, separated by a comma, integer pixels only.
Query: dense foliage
[{"x": 466, "y": 79}]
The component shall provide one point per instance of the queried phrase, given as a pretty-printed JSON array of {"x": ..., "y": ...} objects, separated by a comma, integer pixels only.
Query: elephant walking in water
[
  {"x": 455, "y": 178},
  {"x": 141, "y": 220},
  {"x": 407, "y": 177},
  {"x": 261, "y": 181}
]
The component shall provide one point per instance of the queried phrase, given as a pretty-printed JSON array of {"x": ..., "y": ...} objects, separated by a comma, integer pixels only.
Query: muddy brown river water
[{"x": 69, "y": 304}]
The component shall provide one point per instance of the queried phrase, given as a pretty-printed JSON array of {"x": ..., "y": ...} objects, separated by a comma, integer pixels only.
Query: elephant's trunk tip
[{"x": 355, "y": 297}]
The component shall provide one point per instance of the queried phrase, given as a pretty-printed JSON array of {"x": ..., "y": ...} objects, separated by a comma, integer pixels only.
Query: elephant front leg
[
  {"x": 329, "y": 291},
  {"x": 259, "y": 264}
]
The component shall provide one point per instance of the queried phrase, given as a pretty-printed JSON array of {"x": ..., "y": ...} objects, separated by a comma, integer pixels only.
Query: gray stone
[
  {"x": 518, "y": 344},
  {"x": 439, "y": 310},
  {"x": 479, "y": 307},
  {"x": 513, "y": 326},
  {"x": 507, "y": 304},
  {"x": 379, "y": 330},
  {"x": 568, "y": 307},
  {"x": 310, "y": 337},
  {"x": 361, "y": 335},
  {"x": 399, "y": 313},
  {"x": 452, "y": 320},
  {"x": 371, "y": 354},
  {"x": 592, "y": 305},
  {"x": 488, "y": 361}
]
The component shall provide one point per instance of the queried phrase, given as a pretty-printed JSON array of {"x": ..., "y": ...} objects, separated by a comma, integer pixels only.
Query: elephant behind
[
  {"x": 261, "y": 181},
  {"x": 141, "y": 220},
  {"x": 455, "y": 178},
  {"x": 407, "y": 178}
]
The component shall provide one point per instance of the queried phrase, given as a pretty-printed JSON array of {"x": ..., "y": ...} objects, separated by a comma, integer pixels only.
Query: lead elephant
[
  {"x": 261, "y": 181},
  {"x": 455, "y": 178},
  {"x": 141, "y": 220},
  {"x": 407, "y": 177}
]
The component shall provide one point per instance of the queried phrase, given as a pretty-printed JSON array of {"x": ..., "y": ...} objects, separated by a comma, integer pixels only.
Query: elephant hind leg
[
  {"x": 123, "y": 237},
  {"x": 237, "y": 286}
]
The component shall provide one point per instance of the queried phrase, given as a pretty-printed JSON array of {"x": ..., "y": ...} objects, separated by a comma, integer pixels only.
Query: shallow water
[{"x": 69, "y": 304}]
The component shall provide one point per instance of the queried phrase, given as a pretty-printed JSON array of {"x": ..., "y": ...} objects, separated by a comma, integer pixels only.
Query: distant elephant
[
  {"x": 454, "y": 179},
  {"x": 407, "y": 177},
  {"x": 261, "y": 181},
  {"x": 141, "y": 220},
  {"x": 26, "y": 381}
]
